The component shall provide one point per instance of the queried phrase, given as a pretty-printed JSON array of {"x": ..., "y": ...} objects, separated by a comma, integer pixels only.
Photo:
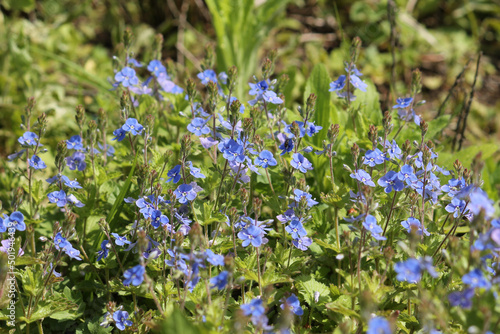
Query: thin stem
[
  {"x": 390, "y": 212},
  {"x": 270, "y": 184},
  {"x": 153, "y": 293},
  {"x": 258, "y": 269}
]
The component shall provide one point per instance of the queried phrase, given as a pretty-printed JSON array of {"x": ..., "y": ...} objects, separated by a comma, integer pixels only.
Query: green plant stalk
[
  {"x": 258, "y": 269},
  {"x": 390, "y": 212},
  {"x": 153, "y": 293}
]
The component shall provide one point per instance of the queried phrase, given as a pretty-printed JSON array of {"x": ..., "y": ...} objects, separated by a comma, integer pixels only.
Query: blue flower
[
  {"x": 375, "y": 157},
  {"x": 302, "y": 129},
  {"x": 16, "y": 220},
  {"x": 476, "y": 279},
  {"x": 453, "y": 186},
  {"x": 58, "y": 197},
  {"x": 109, "y": 151},
  {"x": 251, "y": 235},
  {"x": 71, "y": 184},
  {"x": 254, "y": 308},
  {"x": 157, "y": 219},
  {"x": 198, "y": 127},
  {"x": 358, "y": 83},
  {"x": 390, "y": 181},
  {"x": 28, "y": 139},
  {"x": 456, "y": 207},
  {"x": 184, "y": 193},
  {"x": 76, "y": 161},
  {"x": 103, "y": 253},
  {"x": 133, "y": 126},
  {"x": 406, "y": 174},
  {"x": 409, "y": 115},
  {"x": 393, "y": 149},
  {"x": 301, "y": 163},
  {"x": 134, "y": 62},
  {"x": 286, "y": 144},
  {"x": 74, "y": 143},
  {"x": 409, "y": 271},
  {"x": 232, "y": 151},
  {"x": 461, "y": 298},
  {"x": 207, "y": 76},
  {"x": 120, "y": 241},
  {"x": 338, "y": 84},
  {"x": 156, "y": 67},
  {"x": 403, "y": 103},
  {"x": 214, "y": 259},
  {"x": 134, "y": 275},
  {"x": 263, "y": 92},
  {"x": 121, "y": 319},
  {"x": 73, "y": 200},
  {"x": 370, "y": 224},
  {"x": 379, "y": 325},
  {"x": 194, "y": 171},
  {"x": 119, "y": 134},
  {"x": 302, "y": 243},
  {"x": 73, "y": 253},
  {"x": 127, "y": 77},
  {"x": 296, "y": 229},
  {"x": 299, "y": 195},
  {"x": 293, "y": 304},
  {"x": 219, "y": 281},
  {"x": 312, "y": 129},
  {"x": 174, "y": 174},
  {"x": 60, "y": 242},
  {"x": 363, "y": 177},
  {"x": 414, "y": 223},
  {"x": 265, "y": 159},
  {"x": 37, "y": 163}
]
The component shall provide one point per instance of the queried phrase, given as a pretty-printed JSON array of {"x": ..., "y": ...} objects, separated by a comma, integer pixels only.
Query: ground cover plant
[{"x": 216, "y": 200}]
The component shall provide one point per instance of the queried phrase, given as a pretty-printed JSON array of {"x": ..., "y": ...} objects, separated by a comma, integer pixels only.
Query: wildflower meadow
[{"x": 237, "y": 169}]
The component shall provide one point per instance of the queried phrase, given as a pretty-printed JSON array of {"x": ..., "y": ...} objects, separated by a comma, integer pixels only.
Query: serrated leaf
[{"x": 312, "y": 290}]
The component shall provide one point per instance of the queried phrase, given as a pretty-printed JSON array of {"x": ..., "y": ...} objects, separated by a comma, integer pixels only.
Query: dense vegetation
[{"x": 241, "y": 166}]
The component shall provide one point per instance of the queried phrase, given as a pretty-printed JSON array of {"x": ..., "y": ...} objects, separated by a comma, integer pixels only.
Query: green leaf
[
  {"x": 27, "y": 260},
  {"x": 114, "y": 212},
  {"x": 465, "y": 156},
  {"x": 327, "y": 245},
  {"x": 22, "y": 5},
  {"x": 318, "y": 84},
  {"x": 309, "y": 287},
  {"x": 176, "y": 322},
  {"x": 339, "y": 308}
]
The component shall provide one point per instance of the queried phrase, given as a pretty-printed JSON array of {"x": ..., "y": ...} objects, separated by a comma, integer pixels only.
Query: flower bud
[
  {"x": 232, "y": 75},
  {"x": 310, "y": 104},
  {"x": 355, "y": 47},
  {"x": 158, "y": 46},
  {"x": 355, "y": 152},
  {"x": 30, "y": 106},
  {"x": 102, "y": 120},
  {"x": 128, "y": 36},
  {"x": 61, "y": 152},
  {"x": 416, "y": 82},
  {"x": 333, "y": 133},
  {"x": 80, "y": 117},
  {"x": 191, "y": 90},
  {"x": 387, "y": 123},
  {"x": 372, "y": 135},
  {"x": 257, "y": 205}
]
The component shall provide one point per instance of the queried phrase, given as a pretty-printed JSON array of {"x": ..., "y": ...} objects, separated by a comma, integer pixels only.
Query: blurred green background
[{"x": 60, "y": 51}]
